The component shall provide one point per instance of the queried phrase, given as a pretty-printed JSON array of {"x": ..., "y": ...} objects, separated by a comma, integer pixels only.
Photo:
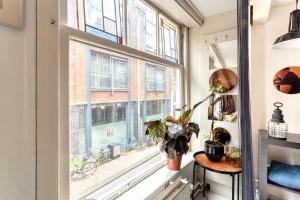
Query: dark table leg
[
  {"x": 203, "y": 185},
  {"x": 233, "y": 177},
  {"x": 193, "y": 181}
]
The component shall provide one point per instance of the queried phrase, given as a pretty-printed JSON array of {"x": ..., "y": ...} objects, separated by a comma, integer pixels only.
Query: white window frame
[{"x": 53, "y": 36}]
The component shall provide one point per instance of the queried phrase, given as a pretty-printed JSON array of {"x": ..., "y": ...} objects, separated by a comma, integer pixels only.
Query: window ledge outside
[{"x": 155, "y": 183}]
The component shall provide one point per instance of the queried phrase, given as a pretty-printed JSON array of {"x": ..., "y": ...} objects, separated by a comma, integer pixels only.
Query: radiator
[{"x": 180, "y": 189}]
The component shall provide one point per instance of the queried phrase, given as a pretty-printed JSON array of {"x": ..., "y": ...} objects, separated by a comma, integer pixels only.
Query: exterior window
[
  {"x": 168, "y": 39},
  {"x": 102, "y": 114},
  {"x": 108, "y": 72},
  {"x": 103, "y": 18},
  {"x": 155, "y": 78},
  {"x": 120, "y": 112},
  {"x": 154, "y": 107},
  {"x": 142, "y": 26},
  {"x": 120, "y": 73}
]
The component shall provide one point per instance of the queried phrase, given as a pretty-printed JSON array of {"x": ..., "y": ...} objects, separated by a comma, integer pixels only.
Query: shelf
[
  {"x": 276, "y": 186},
  {"x": 293, "y": 140}
]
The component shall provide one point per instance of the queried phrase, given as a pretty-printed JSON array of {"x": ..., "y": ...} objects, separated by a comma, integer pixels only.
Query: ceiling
[
  {"x": 175, "y": 11},
  {"x": 281, "y": 2},
  {"x": 213, "y": 7}
]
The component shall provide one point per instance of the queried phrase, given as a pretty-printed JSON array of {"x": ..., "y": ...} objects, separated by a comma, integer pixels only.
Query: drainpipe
[{"x": 88, "y": 138}]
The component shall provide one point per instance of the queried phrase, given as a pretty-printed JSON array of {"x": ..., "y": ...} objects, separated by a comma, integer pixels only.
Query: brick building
[{"x": 112, "y": 95}]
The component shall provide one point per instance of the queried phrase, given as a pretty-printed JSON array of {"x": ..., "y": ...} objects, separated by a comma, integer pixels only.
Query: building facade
[{"x": 112, "y": 95}]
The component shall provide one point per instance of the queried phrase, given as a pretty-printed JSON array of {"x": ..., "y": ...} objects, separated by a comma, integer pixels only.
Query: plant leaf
[
  {"x": 157, "y": 130},
  {"x": 185, "y": 117},
  {"x": 192, "y": 128},
  {"x": 171, "y": 119},
  {"x": 181, "y": 145}
]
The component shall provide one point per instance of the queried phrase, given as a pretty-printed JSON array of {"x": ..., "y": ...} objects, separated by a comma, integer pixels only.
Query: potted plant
[
  {"x": 214, "y": 147},
  {"x": 173, "y": 136}
]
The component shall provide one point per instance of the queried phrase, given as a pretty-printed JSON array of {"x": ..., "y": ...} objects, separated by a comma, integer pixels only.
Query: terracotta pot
[{"x": 174, "y": 164}]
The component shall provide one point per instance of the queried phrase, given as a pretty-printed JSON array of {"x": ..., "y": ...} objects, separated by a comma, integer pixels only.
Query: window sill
[{"x": 155, "y": 183}]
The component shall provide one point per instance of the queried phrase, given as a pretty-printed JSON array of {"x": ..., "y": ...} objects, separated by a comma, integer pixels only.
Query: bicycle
[
  {"x": 83, "y": 166},
  {"x": 102, "y": 156}
]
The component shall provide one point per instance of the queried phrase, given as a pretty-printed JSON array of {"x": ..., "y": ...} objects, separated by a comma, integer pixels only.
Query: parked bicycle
[{"x": 82, "y": 166}]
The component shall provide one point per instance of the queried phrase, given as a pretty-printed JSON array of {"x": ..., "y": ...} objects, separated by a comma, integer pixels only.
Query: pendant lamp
[{"x": 291, "y": 39}]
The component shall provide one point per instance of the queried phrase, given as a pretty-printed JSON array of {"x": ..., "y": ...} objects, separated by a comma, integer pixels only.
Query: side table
[{"x": 222, "y": 167}]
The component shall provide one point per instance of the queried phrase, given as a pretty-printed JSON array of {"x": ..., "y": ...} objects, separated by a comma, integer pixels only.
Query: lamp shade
[{"x": 291, "y": 39}]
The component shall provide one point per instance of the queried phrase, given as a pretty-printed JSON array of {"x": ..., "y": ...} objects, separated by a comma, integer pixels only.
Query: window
[
  {"x": 102, "y": 114},
  {"x": 102, "y": 18},
  {"x": 169, "y": 39},
  {"x": 142, "y": 26},
  {"x": 155, "y": 78},
  {"x": 146, "y": 28},
  {"x": 107, "y": 125},
  {"x": 150, "y": 30},
  {"x": 108, "y": 72},
  {"x": 154, "y": 107},
  {"x": 113, "y": 91}
]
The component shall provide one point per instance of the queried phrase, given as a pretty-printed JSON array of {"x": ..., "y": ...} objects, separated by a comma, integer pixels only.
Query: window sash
[{"x": 114, "y": 27}]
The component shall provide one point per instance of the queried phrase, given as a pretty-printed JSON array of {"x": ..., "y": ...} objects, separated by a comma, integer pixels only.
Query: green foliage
[
  {"x": 156, "y": 130},
  {"x": 172, "y": 141},
  {"x": 76, "y": 162},
  {"x": 165, "y": 131},
  {"x": 185, "y": 117},
  {"x": 216, "y": 89}
]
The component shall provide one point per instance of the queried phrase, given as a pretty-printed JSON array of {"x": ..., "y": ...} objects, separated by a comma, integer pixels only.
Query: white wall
[
  {"x": 215, "y": 26},
  {"x": 17, "y": 86},
  {"x": 265, "y": 63}
]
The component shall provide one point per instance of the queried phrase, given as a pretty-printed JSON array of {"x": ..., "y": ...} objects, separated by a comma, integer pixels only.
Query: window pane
[
  {"x": 102, "y": 18},
  {"x": 109, "y": 9},
  {"x": 142, "y": 26},
  {"x": 155, "y": 77},
  {"x": 168, "y": 43},
  {"x": 107, "y": 133},
  {"x": 94, "y": 15}
]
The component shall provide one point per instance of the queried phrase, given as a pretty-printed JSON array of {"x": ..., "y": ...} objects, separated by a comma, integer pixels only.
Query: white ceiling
[
  {"x": 214, "y": 7},
  {"x": 282, "y": 2},
  {"x": 175, "y": 11}
]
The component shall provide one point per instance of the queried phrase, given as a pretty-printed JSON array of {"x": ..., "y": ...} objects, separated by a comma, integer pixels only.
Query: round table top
[{"x": 222, "y": 166}]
